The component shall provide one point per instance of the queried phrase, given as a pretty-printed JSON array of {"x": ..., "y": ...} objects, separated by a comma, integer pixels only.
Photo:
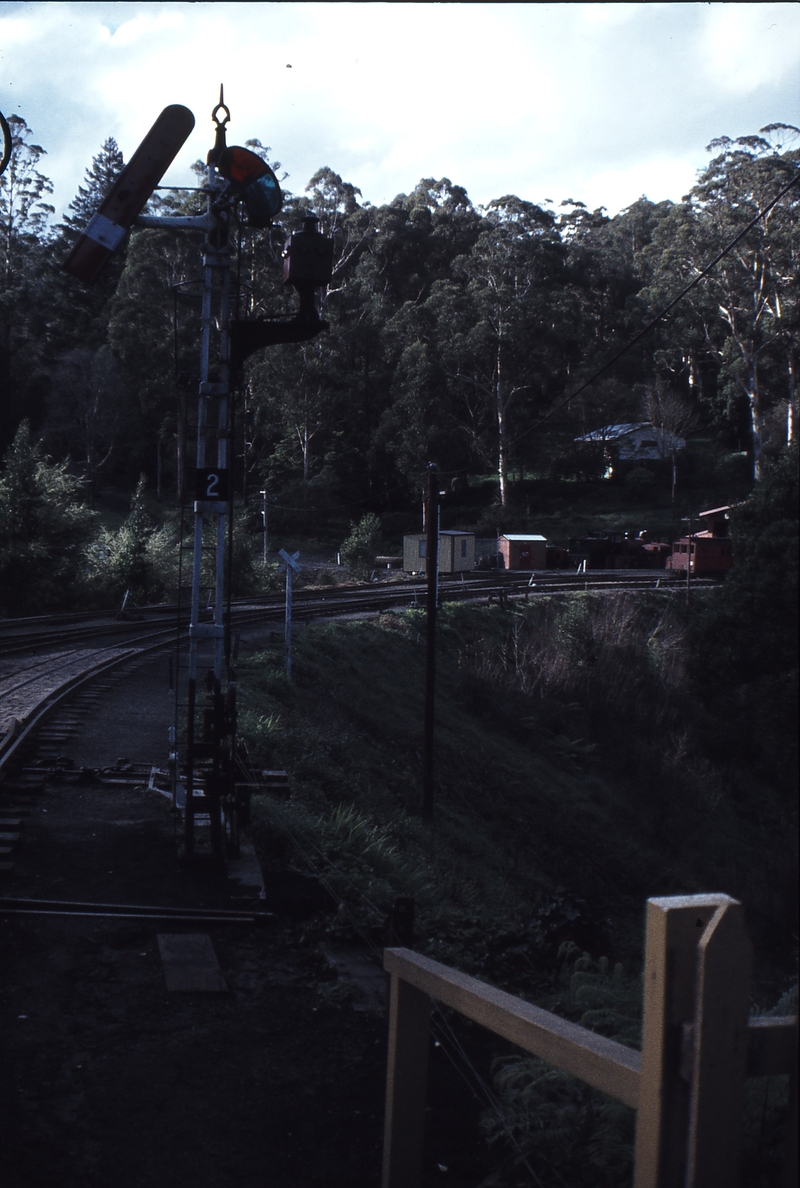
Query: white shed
[{"x": 456, "y": 552}]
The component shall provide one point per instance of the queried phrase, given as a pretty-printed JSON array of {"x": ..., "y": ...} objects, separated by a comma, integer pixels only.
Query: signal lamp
[
  {"x": 261, "y": 191},
  {"x": 240, "y": 165},
  {"x": 308, "y": 256}
]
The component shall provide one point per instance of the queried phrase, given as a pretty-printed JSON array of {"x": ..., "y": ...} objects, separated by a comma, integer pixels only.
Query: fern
[{"x": 556, "y": 1125}]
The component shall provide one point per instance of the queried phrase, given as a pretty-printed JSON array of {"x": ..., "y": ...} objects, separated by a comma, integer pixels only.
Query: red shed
[{"x": 519, "y": 550}]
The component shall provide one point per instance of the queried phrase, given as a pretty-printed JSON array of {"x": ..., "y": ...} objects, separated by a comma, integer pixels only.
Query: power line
[{"x": 654, "y": 321}]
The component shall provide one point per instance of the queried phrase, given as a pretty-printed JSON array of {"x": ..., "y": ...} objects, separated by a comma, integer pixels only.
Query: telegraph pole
[
  {"x": 688, "y": 521},
  {"x": 432, "y": 576},
  {"x": 263, "y": 495}
]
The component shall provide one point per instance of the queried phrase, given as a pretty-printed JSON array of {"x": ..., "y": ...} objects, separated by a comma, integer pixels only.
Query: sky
[{"x": 600, "y": 103}]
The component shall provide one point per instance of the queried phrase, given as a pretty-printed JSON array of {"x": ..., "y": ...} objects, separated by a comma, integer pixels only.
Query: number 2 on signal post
[{"x": 211, "y": 483}]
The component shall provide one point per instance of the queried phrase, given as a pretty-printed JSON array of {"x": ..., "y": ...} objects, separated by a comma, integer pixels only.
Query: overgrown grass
[
  {"x": 574, "y": 780},
  {"x": 572, "y": 761}
]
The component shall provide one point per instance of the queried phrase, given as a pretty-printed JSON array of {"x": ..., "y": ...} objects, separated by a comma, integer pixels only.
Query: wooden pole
[
  {"x": 674, "y": 928},
  {"x": 432, "y": 576},
  {"x": 720, "y": 1050},
  {"x": 789, "y": 1179},
  {"x": 264, "y": 526},
  {"x": 406, "y": 1079}
]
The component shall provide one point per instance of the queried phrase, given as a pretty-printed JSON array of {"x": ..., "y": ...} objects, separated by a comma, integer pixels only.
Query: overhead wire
[
  {"x": 490, "y": 1098},
  {"x": 654, "y": 321}
]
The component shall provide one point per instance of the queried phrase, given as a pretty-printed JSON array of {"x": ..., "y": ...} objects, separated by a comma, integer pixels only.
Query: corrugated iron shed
[{"x": 522, "y": 550}]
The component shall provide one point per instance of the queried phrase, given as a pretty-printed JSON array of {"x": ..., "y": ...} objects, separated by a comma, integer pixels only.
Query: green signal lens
[{"x": 263, "y": 199}]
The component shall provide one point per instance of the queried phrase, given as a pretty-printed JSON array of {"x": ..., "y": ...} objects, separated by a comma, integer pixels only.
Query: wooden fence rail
[{"x": 686, "y": 1084}]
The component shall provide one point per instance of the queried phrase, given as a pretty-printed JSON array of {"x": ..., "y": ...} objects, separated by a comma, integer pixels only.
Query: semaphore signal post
[{"x": 239, "y": 187}]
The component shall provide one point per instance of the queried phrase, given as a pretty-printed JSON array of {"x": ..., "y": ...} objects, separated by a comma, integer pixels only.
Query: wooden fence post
[
  {"x": 406, "y": 1079},
  {"x": 687, "y": 1086},
  {"x": 674, "y": 928},
  {"x": 720, "y": 1050},
  {"x": 789, "y": 1179}
]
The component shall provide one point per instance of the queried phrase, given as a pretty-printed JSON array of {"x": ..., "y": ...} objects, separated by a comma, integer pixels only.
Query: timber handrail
[
  {"x": 602, "y": 1063},
  {"x": 687, "y": 1083}
]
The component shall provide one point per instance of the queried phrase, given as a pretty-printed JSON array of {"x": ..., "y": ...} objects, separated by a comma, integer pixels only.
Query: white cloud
[
  {"x": 746, "y": 46},
  {"x": 539, "y": 99},
  {"x": 659, "y": 178},
  {"x": 144, "y": 24}
]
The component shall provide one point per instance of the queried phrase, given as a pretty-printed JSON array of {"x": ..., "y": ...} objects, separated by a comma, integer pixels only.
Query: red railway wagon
[{"x": 708, "y": 552}]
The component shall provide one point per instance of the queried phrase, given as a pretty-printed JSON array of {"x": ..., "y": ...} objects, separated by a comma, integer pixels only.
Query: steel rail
[
  {"x": 77, "y": 905},
  {"x": 53, "y": 700},
  {"x": 22, "y": 632},
  {"x": 10, "y": 906},
  {"x": 350, "y": 601},
  {"x": 329, "y": 606},
  {"x": 165, "y": 917}
]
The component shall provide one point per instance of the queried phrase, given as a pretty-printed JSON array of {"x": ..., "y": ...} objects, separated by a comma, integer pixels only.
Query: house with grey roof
[{"x": 637, "y": 441}]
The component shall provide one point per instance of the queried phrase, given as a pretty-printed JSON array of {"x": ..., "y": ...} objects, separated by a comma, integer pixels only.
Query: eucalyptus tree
[
  {"x": 24, "y": 215},
  {"x": 405, "y": 274},
  {"x": 745, "y": 312},
  {"x": 90, "y": 414},
  {"x": 153, "y": 334},
  {"x": 601, "y": 309},
  {"x": 498, "y": 324},
  {"x": 419, "y": 422}
]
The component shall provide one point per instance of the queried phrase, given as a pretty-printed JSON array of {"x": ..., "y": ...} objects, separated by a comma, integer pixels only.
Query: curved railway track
[
  {"x": 34, "y": 635},
  {"x": 42, "y": 664}
]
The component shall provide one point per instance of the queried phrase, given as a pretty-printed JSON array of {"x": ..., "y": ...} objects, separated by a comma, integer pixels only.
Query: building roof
[
  {"x": 520, "y": 536},
  {"x": 442, "y": 532},
  {"x": 715, "y": 511},
  {"x": 613, "y": 432}
]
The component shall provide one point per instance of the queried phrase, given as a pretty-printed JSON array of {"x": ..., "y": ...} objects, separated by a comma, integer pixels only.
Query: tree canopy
[{"x": 457, "y": 333}]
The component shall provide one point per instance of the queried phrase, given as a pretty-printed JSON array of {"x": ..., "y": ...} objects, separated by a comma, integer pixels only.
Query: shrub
[
  {"x": 45, "y": 526},
  {"x": 121, "y": 561},
  {"x": 358, "y": 551}
]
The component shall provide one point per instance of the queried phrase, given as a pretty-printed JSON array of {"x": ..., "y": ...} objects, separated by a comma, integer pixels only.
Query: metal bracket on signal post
[
  {"x": 307, "y": 267},
  {"x": 247, "y": 337}
]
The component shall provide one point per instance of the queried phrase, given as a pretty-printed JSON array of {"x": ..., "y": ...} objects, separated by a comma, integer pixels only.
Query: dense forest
[{"x": 457, "y": 333}]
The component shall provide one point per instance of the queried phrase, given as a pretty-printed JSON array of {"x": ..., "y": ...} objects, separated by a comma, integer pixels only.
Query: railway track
[
  {"x": 42, "y": 662},
  {"x": 37, "y": 635},
  {"x": 43, "y": 668}
]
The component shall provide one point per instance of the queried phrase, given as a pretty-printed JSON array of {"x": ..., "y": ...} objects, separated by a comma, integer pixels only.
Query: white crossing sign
[{"x": 290, "y": 560}]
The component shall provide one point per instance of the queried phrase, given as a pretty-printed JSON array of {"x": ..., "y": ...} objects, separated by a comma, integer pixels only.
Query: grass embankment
[{"x": 576, "y": 776}]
